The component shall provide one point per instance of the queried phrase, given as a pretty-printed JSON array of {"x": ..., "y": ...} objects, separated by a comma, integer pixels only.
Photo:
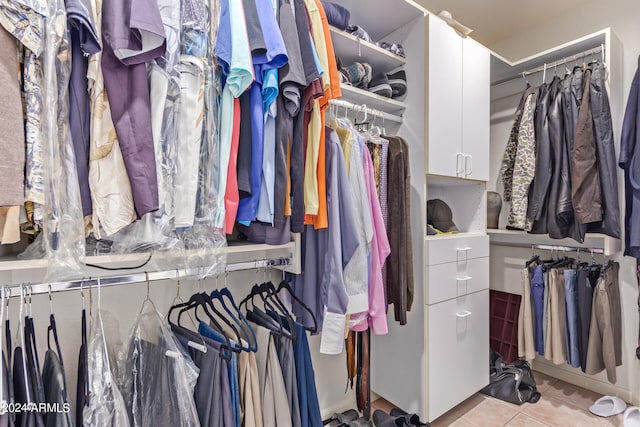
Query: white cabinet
[
  {"x": 459, "y": 360},
  {"x": 475, "y": 109},
  {"x": 454, "y": 279},
  {"x": 444, "y": 74},
  {"x": 458, "y": 104}
]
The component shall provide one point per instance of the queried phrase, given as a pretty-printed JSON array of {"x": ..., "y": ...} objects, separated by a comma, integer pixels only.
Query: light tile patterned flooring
[{"x": 561, "y": 405}]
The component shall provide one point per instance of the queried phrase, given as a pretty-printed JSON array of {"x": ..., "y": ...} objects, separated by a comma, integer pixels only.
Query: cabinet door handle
[
  {"x": 463, "y": 314},
  {"x": 468, "y": 164},
  {"x": 467, "y": 248},
  {"x": 463, "y": 279},
  {"x": 459, "y": 164}
]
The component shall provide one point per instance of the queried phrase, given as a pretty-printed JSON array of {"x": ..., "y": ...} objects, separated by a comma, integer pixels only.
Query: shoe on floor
[
  {"x": 608, "y": 406},
  {"x": 631, "y": 417},
  {"x": 412, "y": 419},
  {"x": 382, "y": 419},
  {"x": 380, "y": 85}
]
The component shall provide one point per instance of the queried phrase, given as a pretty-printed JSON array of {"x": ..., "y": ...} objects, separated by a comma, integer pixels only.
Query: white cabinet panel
[
  {"x": 475, "y": 109},
  {"x": 444, "y": 100},
  {"x": 455, "y": 279},
  {"x": 443, "y": 250},
  {"x": 458, "y": 351}
]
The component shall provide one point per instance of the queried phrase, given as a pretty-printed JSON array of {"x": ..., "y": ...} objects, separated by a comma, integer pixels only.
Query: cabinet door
[
  {"x": 444, "y": 100},
  {"x": 475, "y": 109},
  {"x": 458, "y": 351}
]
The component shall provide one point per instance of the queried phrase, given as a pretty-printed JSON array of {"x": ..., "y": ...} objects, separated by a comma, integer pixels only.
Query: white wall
[
  {"x": 623, "y": 17},
  {"x": 125, "y": 302}
]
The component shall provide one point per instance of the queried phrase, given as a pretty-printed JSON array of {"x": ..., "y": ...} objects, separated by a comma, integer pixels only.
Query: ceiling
[{"x": 495, "y": 20}]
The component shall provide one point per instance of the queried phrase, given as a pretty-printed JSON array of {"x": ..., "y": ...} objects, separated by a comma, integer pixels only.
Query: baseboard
[{"x": 582, "y": 380}]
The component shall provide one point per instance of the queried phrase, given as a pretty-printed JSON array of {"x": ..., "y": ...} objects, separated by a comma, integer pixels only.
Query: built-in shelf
[
  {"x": 385, "y": 17},
  {"x": 371, "y": 100},
  {"x": 350, "y": 49},
  {"x": 235, "y": 252},
  {"x": 454, "y": 236},
  {"x": 609, "y": 245}
]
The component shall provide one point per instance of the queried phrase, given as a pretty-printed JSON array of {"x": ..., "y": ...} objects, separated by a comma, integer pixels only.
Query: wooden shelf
[
  {"x": 499, "y": 237},
  {"x": 377, "y": 102},
  {"x": 350, "y": 49}
]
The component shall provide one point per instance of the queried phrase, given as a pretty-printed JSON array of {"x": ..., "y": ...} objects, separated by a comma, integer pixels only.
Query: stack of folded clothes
[
  {"x": 395, "y": 48},
  {"x": 337, "y": 15}
]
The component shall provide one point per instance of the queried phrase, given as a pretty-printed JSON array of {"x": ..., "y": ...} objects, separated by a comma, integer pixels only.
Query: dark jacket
[
  {"x": 537, "y": 210},
  {"x": 630, "y": 162},
  {"x": 559, "y": 207},
  {"x": 602, "y": 122},
  {"x": 399, "y": 281},
  {"x": 587, "y": 192}
]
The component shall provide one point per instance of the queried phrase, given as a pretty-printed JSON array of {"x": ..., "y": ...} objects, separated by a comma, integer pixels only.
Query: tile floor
[{"x": 561, "y": 405}]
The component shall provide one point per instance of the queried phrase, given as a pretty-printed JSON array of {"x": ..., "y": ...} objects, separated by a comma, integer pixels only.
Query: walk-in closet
[{"x": 305, "y": 213}]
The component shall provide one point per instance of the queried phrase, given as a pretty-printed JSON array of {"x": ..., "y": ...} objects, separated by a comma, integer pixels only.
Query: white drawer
[
  {"x": 454, "y": 279},
  {"x": 458, "y": 351},
  {"x": 443, "y": 250}
]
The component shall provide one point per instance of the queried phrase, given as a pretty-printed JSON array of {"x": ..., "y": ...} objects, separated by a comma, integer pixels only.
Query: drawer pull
[
  {"x": 463, "y": 314},
  {"x": 466, "y": 253},
  {"x": 463, "y": 279}
]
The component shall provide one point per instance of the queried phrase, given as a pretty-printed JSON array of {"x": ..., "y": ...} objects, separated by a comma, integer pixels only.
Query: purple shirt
[{"x": 125, "y": 78}]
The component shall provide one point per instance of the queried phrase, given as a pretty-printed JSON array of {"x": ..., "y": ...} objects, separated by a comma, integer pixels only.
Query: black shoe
[
  {"x": 412, "y": 419},
  {"x": 380, "y": 85},
  {"x": 382, "y": 419},
  {"x": 398, "y": 82}
]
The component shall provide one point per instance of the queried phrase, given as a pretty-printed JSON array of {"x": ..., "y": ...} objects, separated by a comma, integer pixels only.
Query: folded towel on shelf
[{"x": 337, "y": 15}]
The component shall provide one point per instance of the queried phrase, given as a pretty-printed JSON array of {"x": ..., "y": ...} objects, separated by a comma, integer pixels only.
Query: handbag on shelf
[{"x": 511, "y": 382}]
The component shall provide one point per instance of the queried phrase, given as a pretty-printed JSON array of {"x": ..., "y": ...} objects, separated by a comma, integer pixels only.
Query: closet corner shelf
[
  {"x": 235, "y": 252},
  {"x": 350, "y": 49},
  {"x": 462, "y": 235},
  {"x": 377, "y": 102},
  {"x": 609, "y": 245}
]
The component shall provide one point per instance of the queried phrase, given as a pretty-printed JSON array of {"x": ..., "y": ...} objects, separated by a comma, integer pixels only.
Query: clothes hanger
[
  {"x": 246, "y": 329},
  {"x": 2, "y": 299},
  {"x": 7, "y": 330},
  {"x": 294, "y": 298},
  {"x": 259, "y": 317},
  {"x": 21, "y": 337},
  {"x": 199, "y": 300},
  {"x": 270, "y": 290},
  {"x": 53, "y": 329},
  {"x": 208, "y": 301},
  {"x": 534, "y": 258}
]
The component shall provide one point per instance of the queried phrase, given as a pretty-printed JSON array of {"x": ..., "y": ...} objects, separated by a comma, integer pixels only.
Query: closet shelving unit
[
  {"x": 510, "y": 249},
  {"x": 609, "y": 245},
  {"x": 508, "y": 80},
  {"x": 446, "y": 338},
  {"x": 350, "y": 48},
  {"x": 14, "y": 270}
]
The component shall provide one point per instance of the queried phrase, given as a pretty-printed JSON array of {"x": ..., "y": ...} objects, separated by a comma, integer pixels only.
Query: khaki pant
[{"x": 555, "y": 345}]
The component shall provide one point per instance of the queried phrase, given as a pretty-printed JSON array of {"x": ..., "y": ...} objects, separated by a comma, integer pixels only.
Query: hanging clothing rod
[
  {"x": 362, "y": 108},
  {"x": 554, "y": 64},
  {"x": 44, "y": 288},
  {"x": 559, "y": 248}
]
